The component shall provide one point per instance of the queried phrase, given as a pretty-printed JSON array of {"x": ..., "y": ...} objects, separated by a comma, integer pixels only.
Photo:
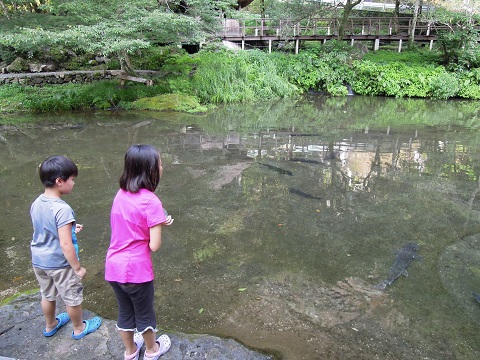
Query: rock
[
  {"x": 18, "y": 65},
  {"x": 35, "y": 67},
  {"x": 50, "y": 66},
  {"x": 22, "y": 323},
  {"x": 102, "y": 59}
]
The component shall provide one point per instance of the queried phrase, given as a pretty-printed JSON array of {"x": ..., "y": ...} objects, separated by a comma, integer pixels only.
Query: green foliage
[
  {"x": 366, "y": 80},
  {"x": 110, "y": 28},
  {"x": 400, "y": 80},
  {"x": 416, "y": 57},
  {"x": 154, "y": 58},
  {"x": 444, "y": 85},
  {"x": 318, "y": 67},
  {"x": 7, "y": 54},
  {"x": 237, "y": 77},
  {"x": 460, "y": 48},
  {"x": 469, "y": 84},
  {"x": 102, "y": 94}
]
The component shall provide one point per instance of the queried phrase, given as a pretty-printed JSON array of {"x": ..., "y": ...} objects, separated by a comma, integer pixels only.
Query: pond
[{"x": 287, "y": 214}]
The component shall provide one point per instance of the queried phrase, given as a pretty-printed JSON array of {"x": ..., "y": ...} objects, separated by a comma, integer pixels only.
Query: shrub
[
  {"x": 460, "y": 48},
  {"x": 469, "y": 84},
  {"x": 154, "y": 57},
  {"x": 7, "y": 54},
  {"x": 444, "y": 85}
]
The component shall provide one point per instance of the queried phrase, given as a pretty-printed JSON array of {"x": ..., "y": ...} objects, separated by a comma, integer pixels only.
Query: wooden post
[
  {"x": 297, "y": 44},
  {"x": 431, "y": 44},
  {"x": 400, "y": 45},
  {"x": 243, "y": 44},
  {"x": 376, "y": 46},
  {"x": 269, "y": 46},
  {"x": 351, "y": 42}
]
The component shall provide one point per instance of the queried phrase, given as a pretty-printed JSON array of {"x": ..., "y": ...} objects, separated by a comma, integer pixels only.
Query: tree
[
  {"x": 347, "y": 10},
  {"x": 117, "y": 27}
]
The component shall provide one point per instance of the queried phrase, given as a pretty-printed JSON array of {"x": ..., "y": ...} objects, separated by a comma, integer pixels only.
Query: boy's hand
[
  {"x": 81, "y": 272},
  {"x": 78, "y": 228},
  {"x": 168, "y": 222}
]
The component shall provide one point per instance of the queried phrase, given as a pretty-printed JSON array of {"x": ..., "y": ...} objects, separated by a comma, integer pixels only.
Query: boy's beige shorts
[{"x": 61, "y": 282}]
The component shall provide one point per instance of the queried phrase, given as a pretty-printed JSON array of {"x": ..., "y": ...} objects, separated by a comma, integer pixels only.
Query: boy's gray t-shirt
[{"x": 49, "y": 214}]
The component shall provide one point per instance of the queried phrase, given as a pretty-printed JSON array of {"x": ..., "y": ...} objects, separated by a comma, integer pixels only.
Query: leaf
[
  {"x": 201, "y": 310},
  {"x": 242, "y": 289}
]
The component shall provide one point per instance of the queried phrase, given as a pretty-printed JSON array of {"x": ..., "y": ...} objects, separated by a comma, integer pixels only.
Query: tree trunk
[
  {"x": 125, "y": 63},
  {"x": 2, "y": 5},
  {"x": 414, "y": 21},
  {"x": 396, "y": 15},
  {"x": 347, "y": 9}
]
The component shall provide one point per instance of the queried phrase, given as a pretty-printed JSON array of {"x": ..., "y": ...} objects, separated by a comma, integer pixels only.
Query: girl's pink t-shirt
[{"x": 128, "y": 257}]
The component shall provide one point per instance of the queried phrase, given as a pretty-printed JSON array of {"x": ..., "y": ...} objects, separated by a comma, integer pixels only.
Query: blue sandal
[
  {"x": 62, "y": 319},
  {"x": 90, "y": 326}
]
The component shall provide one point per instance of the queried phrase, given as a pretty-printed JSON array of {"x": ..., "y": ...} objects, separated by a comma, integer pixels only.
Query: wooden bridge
[{"x": 373, "y": 29}]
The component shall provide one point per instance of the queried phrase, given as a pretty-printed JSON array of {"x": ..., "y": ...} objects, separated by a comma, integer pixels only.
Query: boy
[{"x": 54, "y": 259}]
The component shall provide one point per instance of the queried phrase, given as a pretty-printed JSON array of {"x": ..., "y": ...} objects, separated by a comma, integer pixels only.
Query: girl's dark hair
[
  {"x": 141, "y": 170},
  {"x": 55, "y": 167}
]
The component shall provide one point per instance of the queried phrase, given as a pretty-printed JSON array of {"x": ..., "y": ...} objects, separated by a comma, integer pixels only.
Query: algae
[{"x": 170, "y": 102}]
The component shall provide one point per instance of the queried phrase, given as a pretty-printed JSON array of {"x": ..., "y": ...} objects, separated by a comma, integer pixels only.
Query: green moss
[
  {"x": 207, "y": 252},
  {"x": 170, "y": 102},
  {"x": 13, "y": 297}
]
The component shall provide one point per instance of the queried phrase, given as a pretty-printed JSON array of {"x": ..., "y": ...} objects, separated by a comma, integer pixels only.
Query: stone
[
  {"x": 22, "y": 323},
  {"x": 18, "y": 65}
]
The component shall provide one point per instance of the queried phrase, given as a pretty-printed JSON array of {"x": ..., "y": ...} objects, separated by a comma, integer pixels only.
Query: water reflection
[{"x": 286, "y": 215}]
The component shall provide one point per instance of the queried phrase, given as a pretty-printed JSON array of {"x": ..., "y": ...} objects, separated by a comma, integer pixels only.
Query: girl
[{"x": 136, "y": 220}]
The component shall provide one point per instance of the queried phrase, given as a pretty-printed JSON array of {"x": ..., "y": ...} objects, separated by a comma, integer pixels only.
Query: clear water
[{"x": 286, "y": 216}]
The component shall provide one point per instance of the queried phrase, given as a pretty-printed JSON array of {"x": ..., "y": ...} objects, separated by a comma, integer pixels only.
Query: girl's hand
[{"x": 168, "y": 222}]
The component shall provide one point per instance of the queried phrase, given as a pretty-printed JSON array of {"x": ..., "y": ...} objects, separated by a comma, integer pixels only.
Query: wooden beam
[{"x": 124, "y": 77}]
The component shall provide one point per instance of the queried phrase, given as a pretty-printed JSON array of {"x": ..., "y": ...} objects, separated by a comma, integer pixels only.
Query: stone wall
[{"x": 63, "y": 77}]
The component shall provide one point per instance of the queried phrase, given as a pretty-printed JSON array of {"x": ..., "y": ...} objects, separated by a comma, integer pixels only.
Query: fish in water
[
  {"x": 277, "y": 169},
  {"x": 405, "y": 257},
  {"x": 308, "y": 161},
  {"x": 301, "y": 193},
  {"x": 476, "y": 296}
]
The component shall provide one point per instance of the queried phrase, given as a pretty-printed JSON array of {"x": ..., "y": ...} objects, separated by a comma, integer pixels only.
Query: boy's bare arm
[{"x": 65, "y": 235}]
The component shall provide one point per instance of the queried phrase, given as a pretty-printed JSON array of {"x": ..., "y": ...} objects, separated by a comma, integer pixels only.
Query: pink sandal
[
  {"x": 138, "y": 339},
  {"x": 164, "y": 344}
]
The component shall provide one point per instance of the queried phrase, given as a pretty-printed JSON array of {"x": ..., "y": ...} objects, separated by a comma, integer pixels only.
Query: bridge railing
[{"x": 326, "y": 26}]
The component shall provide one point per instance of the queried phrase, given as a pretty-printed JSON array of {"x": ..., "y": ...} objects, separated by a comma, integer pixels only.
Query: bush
[
  {"x": 460, "y": 48},
  {"x": 469, "y": 84},
  {"x": 444, "y": 85},
  {"x": 153, "y": 58},
  {"x": 415, "y": 57},
  {"x": 7, "y": 54}
]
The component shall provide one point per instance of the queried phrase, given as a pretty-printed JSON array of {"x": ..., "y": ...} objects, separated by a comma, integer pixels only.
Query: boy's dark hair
[
  {"x": 55, "y": 167},
  {"x": 141, "y": 170}
]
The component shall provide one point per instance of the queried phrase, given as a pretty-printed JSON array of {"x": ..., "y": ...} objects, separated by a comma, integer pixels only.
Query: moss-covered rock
[
  {"x": 170, "y": 102},
  {"x": 18, "y": 65}
]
